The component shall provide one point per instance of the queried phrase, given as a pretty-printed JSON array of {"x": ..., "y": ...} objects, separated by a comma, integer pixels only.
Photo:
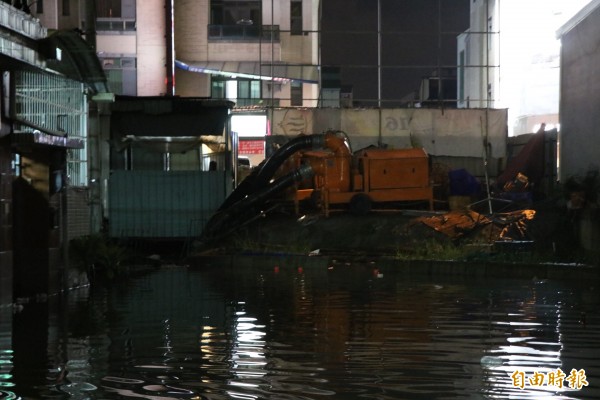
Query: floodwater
[{"x": 276, "y": 329}]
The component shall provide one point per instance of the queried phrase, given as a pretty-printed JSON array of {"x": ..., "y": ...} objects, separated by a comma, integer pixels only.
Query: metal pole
[
  {"x": 170, "y": 42},
  {"x": 379, "y": 53},
  {"x": 439, "y": 56},
  {"x": 380, "y": 142},
  {"x": 487, "y": 107},
  {"x": 272, "y": 55},
  {"x": 320, "y": 67}
]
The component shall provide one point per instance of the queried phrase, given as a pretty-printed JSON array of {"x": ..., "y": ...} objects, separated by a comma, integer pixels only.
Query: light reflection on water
[{"x": 310, "y": 332}]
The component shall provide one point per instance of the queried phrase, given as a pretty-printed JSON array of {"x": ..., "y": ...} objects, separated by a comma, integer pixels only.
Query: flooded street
[{"x": 279, "y": 329}]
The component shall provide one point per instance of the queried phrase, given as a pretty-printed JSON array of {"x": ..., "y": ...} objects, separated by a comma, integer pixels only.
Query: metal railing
[
  {"x": 116, "y": 24},
  {"x": 243, "y": 32}
]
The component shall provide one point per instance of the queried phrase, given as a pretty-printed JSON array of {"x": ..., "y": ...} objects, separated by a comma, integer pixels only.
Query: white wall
[
  {"x": 116, "y": 45},
  {"x": 191, "y": 21},
  {"x": 151, "y": 48},
  {"x": 457, "y": 133},
  {"x": 580, "y": 98}
]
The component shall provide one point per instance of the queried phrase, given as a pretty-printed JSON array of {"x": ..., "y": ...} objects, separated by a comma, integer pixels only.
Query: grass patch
[
  {"x": 98, "y": 257},
  {"x": 243, "y": 242},
  {"x": 432, "y": 250}
]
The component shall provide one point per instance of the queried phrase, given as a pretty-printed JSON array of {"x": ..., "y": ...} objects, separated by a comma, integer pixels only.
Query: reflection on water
[{"x": 281, "y": 330}]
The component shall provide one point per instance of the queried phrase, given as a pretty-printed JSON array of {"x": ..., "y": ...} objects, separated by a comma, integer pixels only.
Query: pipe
[
  {"x": 262, "y": 175},
  {"x": 222, "y": 221},
  {"x": 269, "y": 168},
  {"x": 336, "y": 144}
]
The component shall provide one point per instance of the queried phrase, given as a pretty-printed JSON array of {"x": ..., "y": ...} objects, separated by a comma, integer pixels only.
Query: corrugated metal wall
[
  {"x": 164, "y": 204},
  {"x": 78, "y": 215}
]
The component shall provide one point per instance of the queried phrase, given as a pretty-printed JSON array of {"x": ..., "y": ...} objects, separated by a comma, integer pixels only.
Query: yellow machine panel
[
  {"x": 397, "y": 169},
  {"x": 394, "y": 174}
]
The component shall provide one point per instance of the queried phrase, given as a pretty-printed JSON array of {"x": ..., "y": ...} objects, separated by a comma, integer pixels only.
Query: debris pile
[{"x": 506, "y": 227}]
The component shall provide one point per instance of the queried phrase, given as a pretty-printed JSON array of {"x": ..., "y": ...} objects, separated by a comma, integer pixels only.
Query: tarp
[
  {"x": 511, "y": 226},
  {"x": 530, "y": 162}
]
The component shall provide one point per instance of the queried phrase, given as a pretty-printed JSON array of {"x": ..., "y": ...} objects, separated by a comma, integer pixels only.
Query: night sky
[{"x": 417, "y": 37}]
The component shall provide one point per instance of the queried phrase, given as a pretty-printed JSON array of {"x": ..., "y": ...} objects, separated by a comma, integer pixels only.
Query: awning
[
  {"x": 254, "y": 70},
  {"x": 68, "y": 53}
]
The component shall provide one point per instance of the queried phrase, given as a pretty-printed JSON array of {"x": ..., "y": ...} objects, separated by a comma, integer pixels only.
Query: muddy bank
[{"x": 542, "y": 232}]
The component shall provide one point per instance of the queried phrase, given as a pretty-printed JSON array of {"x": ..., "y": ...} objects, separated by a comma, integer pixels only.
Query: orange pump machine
[{"x": 371, "y": 175}]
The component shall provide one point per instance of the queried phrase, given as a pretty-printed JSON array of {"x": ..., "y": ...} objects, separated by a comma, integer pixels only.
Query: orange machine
[{"x": 372, "y": 175}]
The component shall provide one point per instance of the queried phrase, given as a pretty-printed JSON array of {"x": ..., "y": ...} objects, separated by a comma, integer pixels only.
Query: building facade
[
  {"x": 509, "y": 58},
  {"x": 253, "y": 52},
  {"x": 49, "y": 78},
  {"x": 258, "y": 54},
  {"x": 580, "y": 135},
  {"x": 478, "y": 57}
]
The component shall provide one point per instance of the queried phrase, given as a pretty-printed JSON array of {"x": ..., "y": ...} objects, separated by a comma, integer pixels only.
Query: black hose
[
  {"x": 269, "y": 168},
  {"x": 223, "y": 221},
  {"x": 262, "y": 175}
]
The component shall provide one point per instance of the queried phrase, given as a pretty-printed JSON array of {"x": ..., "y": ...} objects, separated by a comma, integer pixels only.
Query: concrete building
[
  {"x": 478, "y": 57},
  {"x": 258, "y": 54},
  {"x": 252, "y": 52},
  {"x": 580, "y": 93},
  {"x": 579, "y": 119},
  {"x": 49, "y": 78},
  {"x": 509, "y": 58}
]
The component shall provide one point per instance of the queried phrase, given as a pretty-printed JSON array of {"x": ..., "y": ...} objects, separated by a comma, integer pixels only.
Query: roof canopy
[
  {"x": 253, "y": 70},
  {"x": 168, "y": 116},
  {"x": 69, "y": 54}
]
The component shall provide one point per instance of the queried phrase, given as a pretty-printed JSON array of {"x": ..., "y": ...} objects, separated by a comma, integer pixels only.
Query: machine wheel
[
  {"x": 360, "y": 204},
  {"x": 315, "y": 200}
]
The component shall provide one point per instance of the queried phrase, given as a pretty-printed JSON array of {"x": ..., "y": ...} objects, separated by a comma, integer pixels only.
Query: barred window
[{"x": 58, "y": 105}]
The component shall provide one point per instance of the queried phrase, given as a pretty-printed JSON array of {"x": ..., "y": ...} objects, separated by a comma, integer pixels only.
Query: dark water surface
[{"x": 282, "y": 330}]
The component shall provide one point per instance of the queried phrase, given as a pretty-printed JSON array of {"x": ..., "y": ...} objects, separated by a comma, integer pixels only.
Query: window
[
  {"x": 66, "y": 8},
  {"x": 296, "y": 94},
  {"x": 243, "y": 92},
  {"x": 234, "y": 12},
  {"x": 296, "y": 17},
  {"x": 248, "y": 92},
  {"x": 39, "y": 7},
  {"x": 108, "y": 8},
  {"x": 218, "y": 89},
  {"x": 121, "y": 74}
]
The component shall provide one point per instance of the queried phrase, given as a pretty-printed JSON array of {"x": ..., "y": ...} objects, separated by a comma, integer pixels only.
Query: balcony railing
[
  {"x": 115, "y": 24},
  {"x": 243, "y": 32},
  {"x": 21, "y": 22}
]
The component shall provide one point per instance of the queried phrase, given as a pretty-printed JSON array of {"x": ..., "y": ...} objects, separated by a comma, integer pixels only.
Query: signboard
[{"x": 251, "y": 147}]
